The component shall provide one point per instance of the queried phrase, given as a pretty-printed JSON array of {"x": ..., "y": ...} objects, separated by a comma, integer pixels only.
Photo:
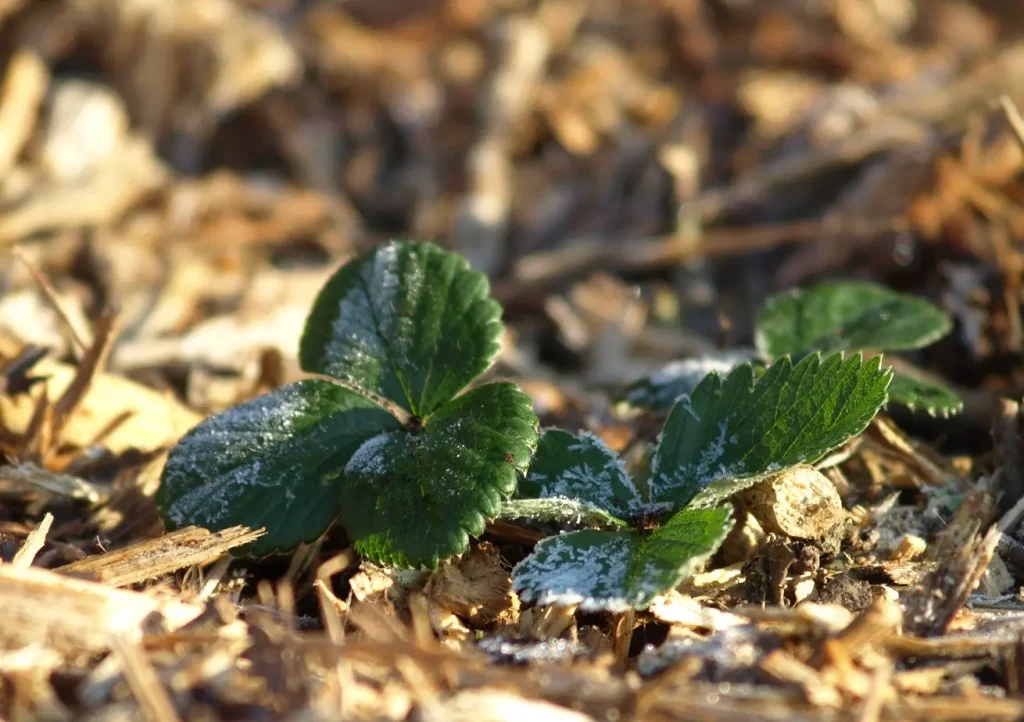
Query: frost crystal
[
  {"x": 563, "y": 573},
  {"x": 708, "y": 468},
  {"x": 239, "y": 433},
  {"x": 599, "y": 477},
  {"x": 365, "y": 320},
  {"x": 369, "y": 458}
]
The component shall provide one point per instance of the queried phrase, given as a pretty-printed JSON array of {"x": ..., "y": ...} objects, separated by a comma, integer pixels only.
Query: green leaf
[
  {"x": 616, "y": 571},
  {"x": 410, "y": 499},
  {"x": 560, "y": 510},
  {"x": 272, "y": 462},
  {"x": 917, "y": 394},
  {"x": 582, "y": 468},
  {"x": 847, "y": 316},
  {"x": 661, "y": 389},
  {"x": 408, "y": 321},
  {"x": 732, "y": 429}
]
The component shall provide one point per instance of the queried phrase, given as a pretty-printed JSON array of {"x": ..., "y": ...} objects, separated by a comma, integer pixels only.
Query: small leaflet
[
  {"x": 617, "y": 571},
  {"x": 660, "y": 390},
  {"x": 847, "y": 316},
  {"x": 270, "y": 462},
  {"x": 580, "y": 467},
  {"x": 408, "y": 321},
  {"x": 916, "y": 394},
  {"x": 859, "y": 316}
]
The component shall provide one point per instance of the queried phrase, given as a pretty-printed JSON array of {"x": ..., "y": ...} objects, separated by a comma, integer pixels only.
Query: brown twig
[
  {"x": 91, "y": 364},
  {"x": 155, "y": 557},
  {"x": 78, "y": 341},
  {"x": 143, "y": 680},
  {"x": 664, "y": 251}
]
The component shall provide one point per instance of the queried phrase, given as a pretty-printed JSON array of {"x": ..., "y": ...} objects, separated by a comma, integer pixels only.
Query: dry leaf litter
[{"x": 177, "y": 180}]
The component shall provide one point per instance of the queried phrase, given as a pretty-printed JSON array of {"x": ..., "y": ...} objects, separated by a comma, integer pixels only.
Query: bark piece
[
  {"x": 155, "y": 557},
  {"x": 74, "y": 615},
  {"x": 476, "y": 587},
  {"x": 932, "y": 606}
]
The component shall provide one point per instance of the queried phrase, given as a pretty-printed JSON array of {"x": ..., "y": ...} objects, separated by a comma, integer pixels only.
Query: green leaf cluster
[
  {"x": 731, "y": 432},
  {"x": 393, "y": 439},
  {"x": 850, "y": 316},
  {"x": 387, "y": 444}
]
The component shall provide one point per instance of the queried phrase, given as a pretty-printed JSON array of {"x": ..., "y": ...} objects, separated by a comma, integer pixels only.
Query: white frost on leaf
[
  {"x": 369, "y": 457},
  {"x": 560, "y": 509},
  {"x": 248, "y": 431},
  {"x": 411, "y": 322},
  {"x": 563, "y": 572},
  {"x": 609, "y": 575},
  {"x": 749, "y": 428},
  {"x": 677, "y": 378},
  {"x": 600, "y": 484},
  {"x": 614, "y": 571},
  {"x": 714, "y": 463},
  {"x": 365, "y": 324},
  {"x": 692, "y": 370}
]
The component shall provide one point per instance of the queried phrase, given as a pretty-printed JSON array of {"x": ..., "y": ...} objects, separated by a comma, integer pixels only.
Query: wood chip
[
  {"x": 21, "y": 94},
  {"x": 76, "y": 616},
  {"x": 876, "y": 622},
  {"x": 908, "y": 548},
  {"x": 476, "y": 587},
  {"x": 784, "y": 667},
  {"x": 930, "y": 608},
  {"x": 143, "y": 681},
  {"x": 34, "y": 543},
  {"x": 155, "y": 557}
]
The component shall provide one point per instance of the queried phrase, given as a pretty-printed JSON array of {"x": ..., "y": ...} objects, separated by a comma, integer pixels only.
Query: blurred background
[{"x": 634, "y": 176}]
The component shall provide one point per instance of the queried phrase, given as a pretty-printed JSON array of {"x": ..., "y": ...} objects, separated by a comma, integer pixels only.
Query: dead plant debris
[{"x": 177, "y": 180}]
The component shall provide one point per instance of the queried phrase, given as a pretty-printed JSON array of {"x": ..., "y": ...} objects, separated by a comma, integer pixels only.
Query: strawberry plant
[
  {"x": 647, "y": 534},
  {"x": 842, "y": 316},
  {"x": 383, "y": 441}
]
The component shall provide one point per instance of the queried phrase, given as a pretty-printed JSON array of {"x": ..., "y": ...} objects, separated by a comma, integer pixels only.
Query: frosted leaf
[
  {"x": 580, "y": 467},
  {"x": 410, "y": 499},
  {"x": 561, "y": 510},
  {"x": 369, "y": 458},
  {"x": 661, "y": 389},
  {"x": 588, "y": 568},
  {"x": 271, "y": 462},
  {"x": 732, "y": 431},
  {"x": 408, "y": 321},
  {"x": 616, "y": 571}
]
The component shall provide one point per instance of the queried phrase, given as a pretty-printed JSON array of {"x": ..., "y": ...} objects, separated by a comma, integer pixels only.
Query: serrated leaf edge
[{"x": 816, "y": 360}]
